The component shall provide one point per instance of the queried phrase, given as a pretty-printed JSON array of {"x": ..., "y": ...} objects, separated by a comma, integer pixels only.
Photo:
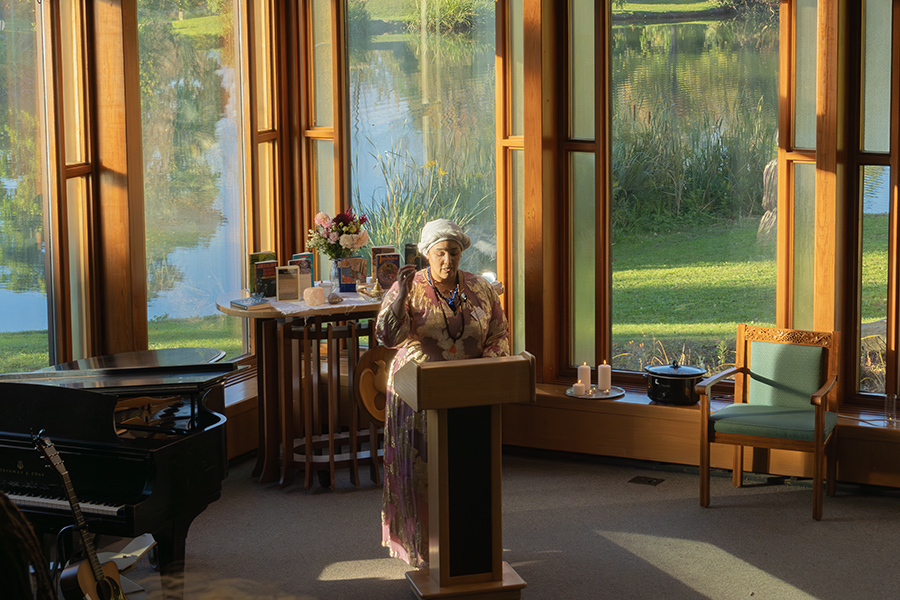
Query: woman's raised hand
[{"x": 405, "y": 277}]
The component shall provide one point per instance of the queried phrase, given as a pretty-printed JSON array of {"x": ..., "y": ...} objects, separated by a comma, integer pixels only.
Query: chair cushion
[
  {"x": 770, "y": 421},
  {"x": 784, "y": 374}
]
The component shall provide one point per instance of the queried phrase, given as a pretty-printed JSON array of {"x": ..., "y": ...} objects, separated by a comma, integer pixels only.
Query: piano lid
[
  {"x": 28, "y": 409},
  {"x": 150, "y": 379}
]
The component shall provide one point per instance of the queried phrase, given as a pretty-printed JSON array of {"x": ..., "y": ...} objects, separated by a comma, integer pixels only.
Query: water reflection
[{"x": 422, "y": 132}]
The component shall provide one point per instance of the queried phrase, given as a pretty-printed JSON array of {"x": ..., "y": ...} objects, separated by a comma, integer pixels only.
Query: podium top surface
[{"x": 469, "y": 382}]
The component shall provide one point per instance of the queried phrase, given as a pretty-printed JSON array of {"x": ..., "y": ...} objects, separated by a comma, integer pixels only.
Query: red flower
[{"x": 344, "y": 218}]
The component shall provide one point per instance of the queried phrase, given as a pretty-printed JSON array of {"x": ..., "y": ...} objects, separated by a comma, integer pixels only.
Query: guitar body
[{"x": 77, "y": 582}]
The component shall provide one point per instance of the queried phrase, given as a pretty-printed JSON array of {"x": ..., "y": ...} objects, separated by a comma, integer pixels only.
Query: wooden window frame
[
  {"x": 856, "y": 159},
  {"x": 116, "y": 266}
]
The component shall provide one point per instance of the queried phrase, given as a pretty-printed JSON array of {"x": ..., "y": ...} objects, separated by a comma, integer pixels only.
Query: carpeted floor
[{"x": 574, "y": 528}]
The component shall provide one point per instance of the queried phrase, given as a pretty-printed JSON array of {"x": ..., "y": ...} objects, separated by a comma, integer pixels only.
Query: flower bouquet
[{"x": 338, "y": 237}]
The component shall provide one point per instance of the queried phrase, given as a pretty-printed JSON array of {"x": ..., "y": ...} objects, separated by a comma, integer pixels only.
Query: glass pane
[
  {"x": 804, "y": 244},
  {"x": 582, "y": 250},
  {"x": 265, "y": 108},
  {"x": 517, "y": 326},
  {"x": 876, "y": 74},
  {"x": 695, "y": 117},
  {"x": 805, "y": 78},
  {"x": 422, "y": 124},
  {"x": 517, "y": 67},
  {"x": 581, "y": 80},
  {"x": 23, "y": 286},
  {"x": 192, "y": 191},
  {"x": 323, "y": 77},
  {"x": 873, "y": 286},
  {"x": 323, "y": 159},
  {"x": 73, "y": 85},
  {"x": 267, "y": 194},
  {"x": 77, "y": 230}
]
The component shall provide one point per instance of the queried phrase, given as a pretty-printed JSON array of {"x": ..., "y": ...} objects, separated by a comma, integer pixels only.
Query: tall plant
[{"x": 668, "y": 174}]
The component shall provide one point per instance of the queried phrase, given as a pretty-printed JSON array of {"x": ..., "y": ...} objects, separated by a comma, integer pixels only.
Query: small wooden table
[{"x": 267, "y": 322}]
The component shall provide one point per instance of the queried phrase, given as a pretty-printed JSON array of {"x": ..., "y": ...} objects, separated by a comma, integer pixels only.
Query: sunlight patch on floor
[
  {"x": 363, "y": 569},
  {"x": 704, "y": 567}
]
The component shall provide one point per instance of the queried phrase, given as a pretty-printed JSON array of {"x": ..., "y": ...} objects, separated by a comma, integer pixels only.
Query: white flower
[
  {"x": 354, "y": 241},
  {"x": 349, "y": 241}
]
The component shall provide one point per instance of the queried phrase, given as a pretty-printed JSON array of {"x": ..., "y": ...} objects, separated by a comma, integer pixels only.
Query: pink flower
[
  {"x": 333, "y": 237},
  {"x": 323, "y": 220}
]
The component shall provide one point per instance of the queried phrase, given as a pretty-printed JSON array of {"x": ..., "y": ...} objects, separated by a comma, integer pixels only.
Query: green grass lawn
[
  {"x": 398, "y": 10},
  {"x": 681, "y": 295},
  {"x": 657, "y": 7},
  {"x": 389, "y": 10},
  {"x": 221, "y": 332},
  {"x": 200, "y": 26},
  {"x": 27, "y": 350}
]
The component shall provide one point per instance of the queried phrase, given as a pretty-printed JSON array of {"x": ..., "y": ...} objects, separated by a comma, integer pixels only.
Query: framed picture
[{"x": 287, "y": 284}]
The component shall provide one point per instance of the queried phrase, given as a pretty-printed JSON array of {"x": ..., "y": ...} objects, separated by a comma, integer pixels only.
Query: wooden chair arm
[
  {"x": 709, "y": 382},
  {"x": 816, "y": 398}
]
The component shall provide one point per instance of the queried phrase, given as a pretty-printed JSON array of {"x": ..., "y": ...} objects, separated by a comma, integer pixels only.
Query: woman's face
[{"x": 443, "y": 260}]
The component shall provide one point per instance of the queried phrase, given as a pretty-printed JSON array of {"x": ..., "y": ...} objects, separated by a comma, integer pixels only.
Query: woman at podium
[{"x": 438, "y": 313}]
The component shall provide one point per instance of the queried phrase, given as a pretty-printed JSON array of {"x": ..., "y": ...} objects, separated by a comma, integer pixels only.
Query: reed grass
[
  {"x": 458, "y": 186},
  {"x": 453, "y": 16}
]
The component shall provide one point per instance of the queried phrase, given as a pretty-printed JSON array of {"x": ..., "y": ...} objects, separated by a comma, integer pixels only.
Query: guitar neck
[{"x": 80, "y": 524}]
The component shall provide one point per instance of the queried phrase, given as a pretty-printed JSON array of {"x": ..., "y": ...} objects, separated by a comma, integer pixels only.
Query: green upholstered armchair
[{"x": 781, "y": 381}]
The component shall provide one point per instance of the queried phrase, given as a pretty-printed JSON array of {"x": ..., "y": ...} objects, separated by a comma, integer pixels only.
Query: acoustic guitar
[{"x": 86, "y": 579}]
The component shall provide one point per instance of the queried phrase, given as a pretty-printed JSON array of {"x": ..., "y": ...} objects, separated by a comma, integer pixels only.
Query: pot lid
[{"x": 675, "y": 370}]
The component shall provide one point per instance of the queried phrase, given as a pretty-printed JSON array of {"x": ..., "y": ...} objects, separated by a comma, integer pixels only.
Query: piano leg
[{"x": 170, "y": 543}]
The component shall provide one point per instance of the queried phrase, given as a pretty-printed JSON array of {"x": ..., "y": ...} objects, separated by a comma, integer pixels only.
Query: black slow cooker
[{"x": 673, "y": 384}]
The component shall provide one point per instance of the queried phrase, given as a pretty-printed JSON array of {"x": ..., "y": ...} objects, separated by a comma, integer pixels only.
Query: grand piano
[{"x": 144, "y": 452}]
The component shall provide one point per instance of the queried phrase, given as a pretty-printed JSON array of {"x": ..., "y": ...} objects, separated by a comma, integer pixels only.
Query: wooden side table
[
  {"x": 331, "y": 437},
  {"x": 266, "y": 323}
]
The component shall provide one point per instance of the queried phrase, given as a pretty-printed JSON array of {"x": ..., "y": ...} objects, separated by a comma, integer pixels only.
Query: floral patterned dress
[{"x": 426, "y": 333}]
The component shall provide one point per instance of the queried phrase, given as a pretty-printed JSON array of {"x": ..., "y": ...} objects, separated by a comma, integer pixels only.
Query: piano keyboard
[{"x": 88, "y": 508}]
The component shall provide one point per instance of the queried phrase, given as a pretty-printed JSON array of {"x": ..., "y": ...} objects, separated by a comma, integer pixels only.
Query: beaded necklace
[{"x": 451, "y": 302}]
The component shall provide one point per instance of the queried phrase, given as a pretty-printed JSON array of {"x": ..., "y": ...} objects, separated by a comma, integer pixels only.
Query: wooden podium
[{"x": 463, "y": 399}]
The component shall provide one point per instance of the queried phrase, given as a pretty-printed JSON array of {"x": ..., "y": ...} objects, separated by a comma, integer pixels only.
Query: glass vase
[{"x": 336, "y": 274}]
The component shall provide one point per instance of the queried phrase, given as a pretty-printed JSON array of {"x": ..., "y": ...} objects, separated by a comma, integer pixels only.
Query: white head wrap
[{"x": 440, "y": 230}]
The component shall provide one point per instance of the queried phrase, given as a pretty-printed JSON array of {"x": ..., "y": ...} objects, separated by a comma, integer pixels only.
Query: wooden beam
[
  {"x": 541, "y": 162},
  {"x": 117, "y": 203},
  {"x": 831, "y": 164}
]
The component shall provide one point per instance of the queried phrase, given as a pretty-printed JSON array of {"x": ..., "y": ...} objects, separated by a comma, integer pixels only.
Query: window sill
[{"x": 633, "y": 426}]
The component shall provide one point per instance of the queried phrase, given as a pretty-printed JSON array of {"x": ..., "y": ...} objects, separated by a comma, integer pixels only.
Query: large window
[
  {"x": 694, "y": 113},
  {"x": 192, "y": 166},
  {"x": 877, "y": 216},
  {"x": 421, "y": 119},
  {"x": 23, "y": 287}
]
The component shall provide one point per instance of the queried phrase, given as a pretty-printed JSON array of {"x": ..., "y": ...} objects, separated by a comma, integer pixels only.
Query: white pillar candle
[
  {"x": 604, "y": 377},
  {"x": 578, "y": 388},
  {"x": 584, "y": 375}
]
